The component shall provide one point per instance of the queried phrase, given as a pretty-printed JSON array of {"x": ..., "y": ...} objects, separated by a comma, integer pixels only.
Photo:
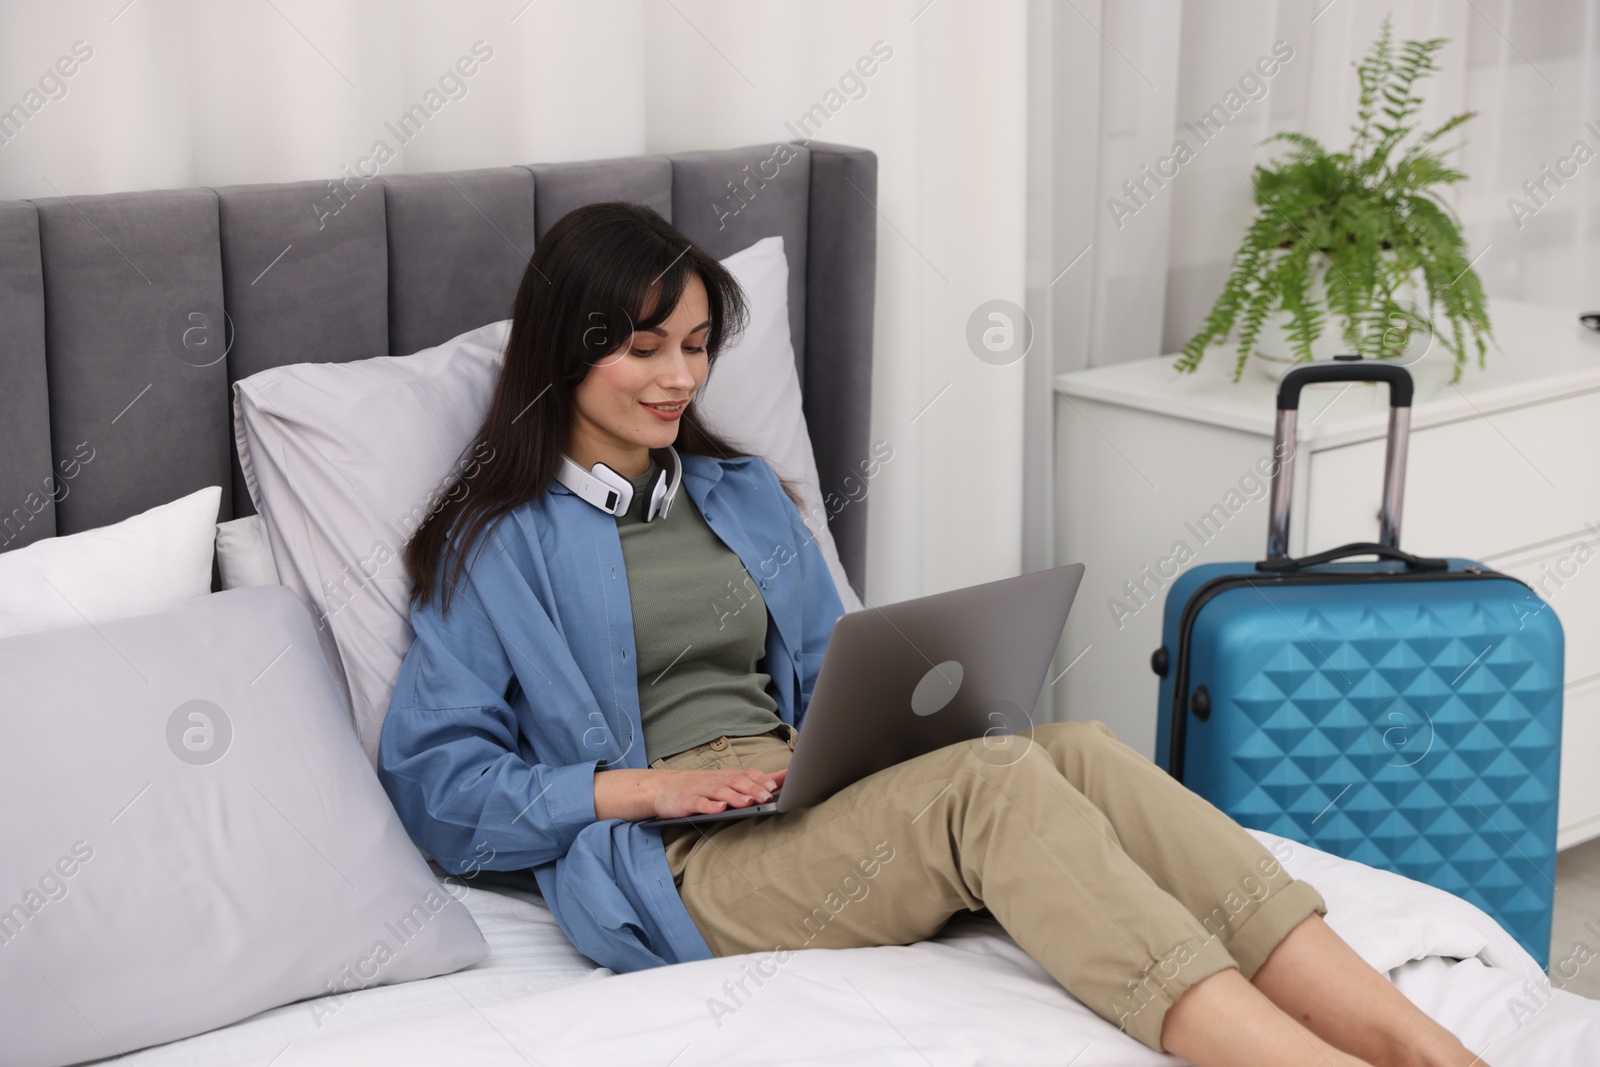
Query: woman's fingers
[
  {"x": 741, "y": 787},
  {"x": 750, "y": 786},
  {"x": 708, "y": 792},
  {"x": 761, "y": 784},
  {"x": 737, "y": 797},
  {"x": 761, "y": 780}
]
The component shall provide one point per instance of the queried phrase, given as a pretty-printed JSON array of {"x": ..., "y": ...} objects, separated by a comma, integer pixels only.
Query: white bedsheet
[{"x": 969, "y": 996}]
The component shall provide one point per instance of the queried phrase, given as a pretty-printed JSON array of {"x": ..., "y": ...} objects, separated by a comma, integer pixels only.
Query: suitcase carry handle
[
  {"x": 1346, "y": 368},
  {"x": 1359, "y": 548}
]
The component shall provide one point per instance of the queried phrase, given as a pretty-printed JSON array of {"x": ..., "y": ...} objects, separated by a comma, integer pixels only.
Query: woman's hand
[
  {"x": 678, "y": 792},
  {"x": 669, "y": 793}
]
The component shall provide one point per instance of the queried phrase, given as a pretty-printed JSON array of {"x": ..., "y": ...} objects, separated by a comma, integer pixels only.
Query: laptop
[{"x": 904, "y": 679}]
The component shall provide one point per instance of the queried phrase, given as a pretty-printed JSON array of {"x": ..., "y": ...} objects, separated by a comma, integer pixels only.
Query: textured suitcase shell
[{"x": 1412, "y": 723}]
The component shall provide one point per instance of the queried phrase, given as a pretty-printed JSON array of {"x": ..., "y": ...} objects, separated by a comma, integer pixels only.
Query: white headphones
[{"x": 611, "y": 492}]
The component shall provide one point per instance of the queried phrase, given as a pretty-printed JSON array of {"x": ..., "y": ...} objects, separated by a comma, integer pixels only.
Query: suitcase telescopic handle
[{"x": 1350, "y": 368}]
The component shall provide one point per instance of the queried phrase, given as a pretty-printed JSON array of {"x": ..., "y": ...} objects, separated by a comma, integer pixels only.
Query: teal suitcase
[{"x": 1404, "y": 712}]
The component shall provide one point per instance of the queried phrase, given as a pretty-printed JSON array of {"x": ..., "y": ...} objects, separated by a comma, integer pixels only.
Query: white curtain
[
  {"x": 1116, "y": 84},
  {"x": 174, "y": 93},
  {"x": 1004, "y": 129}
]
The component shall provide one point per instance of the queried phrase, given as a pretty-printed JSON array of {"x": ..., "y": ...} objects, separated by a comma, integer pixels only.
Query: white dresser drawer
[
  {"x": 1474, "y": 488},
  {"x": 1579, "y": 818},
  {"x": 1566, "y": 576}
]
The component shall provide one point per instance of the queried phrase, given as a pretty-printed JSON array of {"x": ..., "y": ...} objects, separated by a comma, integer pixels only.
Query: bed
[
  {"x": 969, "y": 996},
  {"x": 100, "y": 297}
]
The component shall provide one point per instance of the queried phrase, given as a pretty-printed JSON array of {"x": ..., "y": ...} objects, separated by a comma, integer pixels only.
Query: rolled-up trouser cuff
[
  {"x": 1279, "y": 913},
  {"x": 1145, "y": 1008}
]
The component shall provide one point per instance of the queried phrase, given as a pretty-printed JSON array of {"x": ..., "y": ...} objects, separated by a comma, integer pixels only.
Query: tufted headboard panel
[{"x": 128, "y": 316}]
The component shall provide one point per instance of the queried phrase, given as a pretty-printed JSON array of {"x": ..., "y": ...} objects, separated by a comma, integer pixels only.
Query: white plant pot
[{"x": 1273, "y": 353}]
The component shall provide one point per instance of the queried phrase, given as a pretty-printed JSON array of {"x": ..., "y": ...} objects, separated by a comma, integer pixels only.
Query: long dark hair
[{"x": 600, "y": 273}]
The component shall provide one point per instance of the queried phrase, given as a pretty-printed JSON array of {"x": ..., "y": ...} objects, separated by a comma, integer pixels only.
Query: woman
[{"x": 576, "y": 671}]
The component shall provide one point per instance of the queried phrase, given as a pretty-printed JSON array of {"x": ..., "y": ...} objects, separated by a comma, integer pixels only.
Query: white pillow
[
  {"x": 151, "y": 561},
  {"x": 343, "y": 461},
  {"x": 753, "y": 395},
  {"x": 244, "y": 557},
  {"x": 203, "y": 839}
]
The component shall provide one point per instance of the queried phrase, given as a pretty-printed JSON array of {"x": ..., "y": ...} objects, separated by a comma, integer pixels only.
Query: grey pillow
[{"x": 193, "y": 834}]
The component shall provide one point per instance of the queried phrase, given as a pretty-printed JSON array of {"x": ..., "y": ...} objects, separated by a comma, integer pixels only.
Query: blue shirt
[{"x": 505, "y": 707}]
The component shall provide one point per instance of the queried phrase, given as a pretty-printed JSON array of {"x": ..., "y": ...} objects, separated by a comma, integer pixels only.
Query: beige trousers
[{"x": 1123, "y": 884}]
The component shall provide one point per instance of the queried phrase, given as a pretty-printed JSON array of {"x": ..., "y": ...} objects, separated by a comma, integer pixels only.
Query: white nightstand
[{"x": 1153, "y": 466}]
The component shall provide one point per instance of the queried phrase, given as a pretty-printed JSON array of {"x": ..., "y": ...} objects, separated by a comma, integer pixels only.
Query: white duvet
[{"x": 969, "y": 996}]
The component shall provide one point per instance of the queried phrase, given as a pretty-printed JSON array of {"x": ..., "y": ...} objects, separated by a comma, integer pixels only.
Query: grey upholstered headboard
[{"x": 111, "y": 307}]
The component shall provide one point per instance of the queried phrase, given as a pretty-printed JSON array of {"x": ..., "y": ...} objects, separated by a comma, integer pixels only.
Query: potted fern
[{"x": 1361, "y": 238}]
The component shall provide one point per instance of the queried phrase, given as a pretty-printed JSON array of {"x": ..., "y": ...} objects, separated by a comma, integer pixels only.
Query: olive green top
[{"x": 699, "y": 629}]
